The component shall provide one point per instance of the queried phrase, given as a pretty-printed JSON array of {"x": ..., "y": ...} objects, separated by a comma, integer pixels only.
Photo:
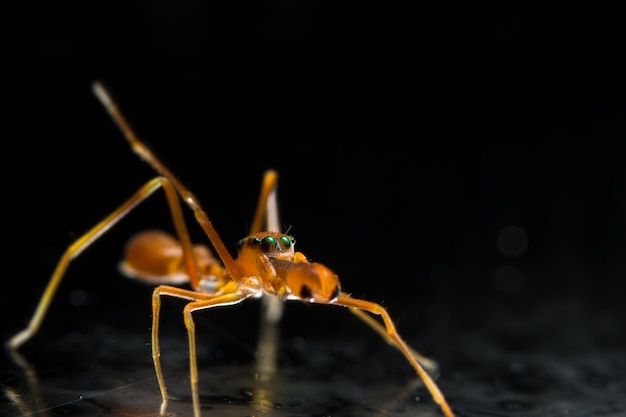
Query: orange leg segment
[
  {"x": 82, "y": 243},
  {"x": 199, "y": 301},
  {"x": 428, "y": 364},
  {"x": 146, "y": 154},
  {"x": 266, "y": 205},
  {"x": 351, "y": 303}
]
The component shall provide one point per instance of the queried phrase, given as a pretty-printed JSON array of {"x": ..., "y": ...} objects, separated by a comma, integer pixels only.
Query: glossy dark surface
[
  {"x": 460, "y": 163},
  {"x": 548, "y": 358}
]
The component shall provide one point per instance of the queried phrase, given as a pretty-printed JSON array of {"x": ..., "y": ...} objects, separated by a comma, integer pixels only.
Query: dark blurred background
[{"x": 462, "y": 164}]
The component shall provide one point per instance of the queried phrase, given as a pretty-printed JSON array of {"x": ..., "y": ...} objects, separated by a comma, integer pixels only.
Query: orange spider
[{"x": 266, "y": 265}]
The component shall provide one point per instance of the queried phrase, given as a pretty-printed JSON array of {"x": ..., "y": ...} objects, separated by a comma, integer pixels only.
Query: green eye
[
  {"x": 268, "y": 244},
  {"x": 286, "y": 242}
]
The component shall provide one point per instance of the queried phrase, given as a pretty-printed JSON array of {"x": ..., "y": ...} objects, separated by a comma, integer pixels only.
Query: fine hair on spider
[{"x": 266, "y": 264}]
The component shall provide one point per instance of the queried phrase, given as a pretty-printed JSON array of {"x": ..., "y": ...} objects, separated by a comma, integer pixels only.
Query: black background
[{"x": 410, "y": 142}]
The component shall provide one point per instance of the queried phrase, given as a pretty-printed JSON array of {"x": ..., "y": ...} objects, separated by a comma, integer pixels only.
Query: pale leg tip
[
  {"x": 18, "y": 340},
  {"x": 163, "y": 410}
]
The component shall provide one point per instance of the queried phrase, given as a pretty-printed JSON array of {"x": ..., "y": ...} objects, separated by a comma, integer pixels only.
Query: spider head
[{"x": 271, "y": 244}]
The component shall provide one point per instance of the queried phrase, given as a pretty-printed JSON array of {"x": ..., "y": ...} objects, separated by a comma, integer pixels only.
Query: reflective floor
[
  {"x": 108, "y": 371},
  {"x": 461, "y": 164},
  {"x": 550, "y": 361}
]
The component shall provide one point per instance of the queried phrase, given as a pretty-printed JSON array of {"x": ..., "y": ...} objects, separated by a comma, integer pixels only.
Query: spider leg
[
  {"x": 368, "y": 306},
  {"x": 199, "y": 301},
  {"x": 149, "y": 157},
  {"x": 428, "y": 364},
  {"x": 83, "y": 242},
  {"x": 266, "y": 205}
]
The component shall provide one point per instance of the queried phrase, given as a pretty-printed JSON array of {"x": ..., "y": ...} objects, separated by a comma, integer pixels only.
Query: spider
[{"x": 267, "y": 264}]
